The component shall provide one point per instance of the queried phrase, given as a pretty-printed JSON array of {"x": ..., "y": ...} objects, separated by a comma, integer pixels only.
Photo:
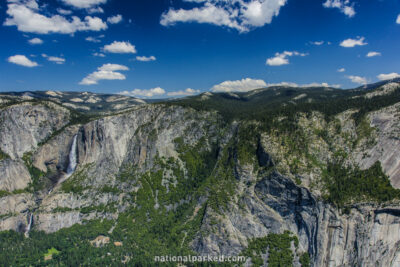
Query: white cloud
[
  {"x": 373, "y": 54},
  {"x": 187, "y": 92},
  {"x": 64, "y": 11},
  {"x": 158, "y": 91},
  {"x": 57, "y": 60},
  {"x": 120, "y": 47},
  {"x": 243, "y": 85},
  {"x": 291, "y": 84},
  {"x": 26, "y": 16},
  {"x": 353, "y": 42},
  {"x": 35, "y": 41},
  {"x": 283, "y": 58},
  {"x": 318, "y": 43},
  {"x": 195, "y": 1},
  {"x": 343, "y": 5},
  {"x": 388, "y": 76},
  {"x": 398, "y": 19},
  {"x": 146, "y": 59},
  {"x": 114, "y": 19},
  {"x": 341, "y": 70},
  {"x": 84, "y": 3},
  {"x": 98, "y": 54},
  {"x": 22, "y": 60},
  {"x": 357, "y": 79},
  {"x": 95, "y": 10},
  {"x": 237, "y": 14},
  {"x": 92, "y": 39},
  {"x": 105, "y": 72}
]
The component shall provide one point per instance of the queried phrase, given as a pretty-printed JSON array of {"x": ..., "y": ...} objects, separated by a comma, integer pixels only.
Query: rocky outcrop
[
  {"x": 386, "y": 146},
  {"x": 23, "y": 126},
  {"x": 15, "y": 204},
  {"x": 53, "y": 155},
  {"x": 13, "y": 175},
  {"x": 275, "y": 204},
  {"x": 266, "y": 198},
  {"x": 100, "y": 241}
]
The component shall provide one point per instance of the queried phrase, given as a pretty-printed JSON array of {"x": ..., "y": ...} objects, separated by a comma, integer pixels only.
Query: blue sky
[{"x": 164, "y": 48}]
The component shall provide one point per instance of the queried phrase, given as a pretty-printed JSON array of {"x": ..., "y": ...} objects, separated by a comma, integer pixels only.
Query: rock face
[
  {"x": 100, "y": 241},
  {"x": 387, "y": 144},
  {"x": 13, "y": 175},
  {"x": 25, "y": 125},
  {"x": 53, "y": 155},
  {"x": 273, "y": 189}
]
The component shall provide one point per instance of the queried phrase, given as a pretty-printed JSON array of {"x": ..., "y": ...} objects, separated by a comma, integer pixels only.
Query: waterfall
[
  {"x": 72, "y": 157},
  {"x": 28, "y": 228},
  {"x": 72, "y": 162}
]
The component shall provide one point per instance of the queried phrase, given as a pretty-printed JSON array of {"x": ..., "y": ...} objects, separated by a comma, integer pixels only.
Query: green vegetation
[
  {"x": 305, "y": 260},
  {"x": 37, "y": 175},
  {"x": 278, "y": 247},
  {"x": 74, "y": 183},
  {"x": 72, "y": 245},
  {"x": 109, "y": 189},
  {"x": 4, "y": 193},
  {"x": 3, "y": 155},
  {"x": 51, "y": 252},
  {"x": 268, "y": 106},
  {"x": 345, "y": 185}
]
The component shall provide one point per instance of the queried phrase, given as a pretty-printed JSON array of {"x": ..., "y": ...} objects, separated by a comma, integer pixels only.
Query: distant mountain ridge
[{"x": 80, "y": 101}]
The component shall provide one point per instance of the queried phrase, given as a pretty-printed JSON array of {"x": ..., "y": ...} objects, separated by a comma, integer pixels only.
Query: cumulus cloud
[
  {"x": 283, "y": 58},
  {"x": 120, "y": 47},
  {"x": 291, "y": 84},
  {"x": 22, "y": 60},
  {"x": 243, "y": 85},
  {"x": 98, "y": 54},
  {"x": 388, "y": 76},
  {"x": 353, "y": 42},
  {"x": 343, "y": 5},
  {"x": 84, "y": 4},
  {"x": 95, "y": 10},
  {"x": 26, "y": 17},
  {"x": 341, "y": 70},
  {"x": 64, "y": 11},
  {"x": 115, "y": 19},
  {"x": 318, "y": 43},
  {"x": 35, "y": 41},
  {"x": 57, "y": 60},
  {"x": 105, "y": 72},
  {"x": 94, "y": 39},
  {"x": 145, "y": 59},
  {"x": 373, "y": 54},
  {"x": 398, "y": 19},
  {"x": 187, "y": 92},
  {"x": 146, "y": 93},
  {"x": 237, "y": 14},
  {"x": 357, "y": 79}
]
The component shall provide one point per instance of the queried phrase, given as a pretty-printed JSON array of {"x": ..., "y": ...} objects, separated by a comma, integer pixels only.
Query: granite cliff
[{"x": 187, "y": 178}]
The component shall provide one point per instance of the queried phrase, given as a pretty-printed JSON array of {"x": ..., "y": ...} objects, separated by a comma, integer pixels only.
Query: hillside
[{"x": 285, "y": 176}]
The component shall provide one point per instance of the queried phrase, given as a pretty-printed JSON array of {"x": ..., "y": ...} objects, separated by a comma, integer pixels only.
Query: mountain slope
[
  {"x": 267, "y": 174},
  {"x": 85, "y": 102}
]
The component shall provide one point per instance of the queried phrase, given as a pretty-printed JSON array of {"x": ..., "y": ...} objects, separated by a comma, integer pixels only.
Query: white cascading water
[
  {"x": 72, "y": 157},
  {"x": 28, "y": 228},
  {"x": 72, "y": 162}
]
